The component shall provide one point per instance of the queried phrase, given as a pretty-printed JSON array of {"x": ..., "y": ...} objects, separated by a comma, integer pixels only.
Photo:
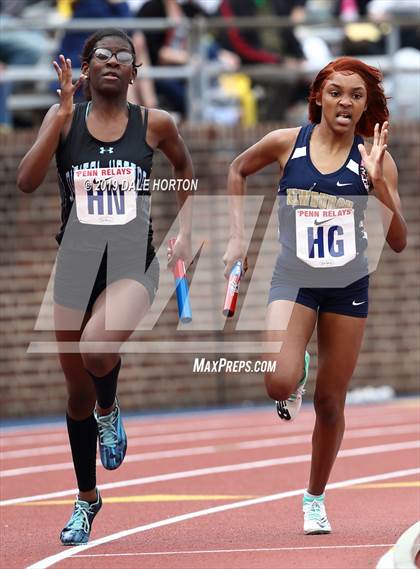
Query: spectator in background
[
  {"x": 244, "y": 42},
  {"x": 404, "y": 82},
  {"x": 142, "y": 90},
  {"x": 360, "y": 38},
  {"x": 170, "y": 46},
  {"x": 17, "y": 47},
  {"x": 291, "y": 49},
  {"x": 350, "y": 10},
  {"x": 384, "y": 10},
  {"x": 295, "y": 10},
  {"x": 167, "y": 47}
]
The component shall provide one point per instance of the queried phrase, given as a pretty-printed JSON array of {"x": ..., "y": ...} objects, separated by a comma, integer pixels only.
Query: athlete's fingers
[
  {"x": 363, "y": 152},
  {"x": 172, "y": 261},
  {"x": 228, "y": 269},
  {"x": 57, "y": 70},
  {"x": 63, "y": 62},
  {"x": 376, "y": 134},
  {"x": 384, "y": 134},
  {"x": 63, "y": 67},
  {"x": 382, "y": 152}
]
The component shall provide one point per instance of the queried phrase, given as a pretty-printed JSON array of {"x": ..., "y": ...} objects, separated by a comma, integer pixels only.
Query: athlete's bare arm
[
  {"x": 162, "y": 133},
  {"x": 383, "y": 174},
  {"x": 274, "y": 147},
  {"x": 34, "y": 165}
]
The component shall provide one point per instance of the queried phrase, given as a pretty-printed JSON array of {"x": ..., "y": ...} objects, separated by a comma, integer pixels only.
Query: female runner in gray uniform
[
  {"x": 107, "y": 273},
  {"x": 321, "y": 275}
]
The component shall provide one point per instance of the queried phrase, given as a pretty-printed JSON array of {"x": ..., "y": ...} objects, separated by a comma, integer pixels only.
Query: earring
[{"x": 131, "y": 82}]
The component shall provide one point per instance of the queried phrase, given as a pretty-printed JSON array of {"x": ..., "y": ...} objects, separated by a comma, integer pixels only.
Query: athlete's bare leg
[
  {"x": 291, "y": 325},
  {"x": 339, "y": 342},
  {"x": 115, "y": 315},
  {"x": 80, "y": 389}
]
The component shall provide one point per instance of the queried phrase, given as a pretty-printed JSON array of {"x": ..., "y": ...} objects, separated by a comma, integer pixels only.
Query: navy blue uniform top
[
  {"x": 319, "y": 203},
  {"x": 104, "y": 177}
]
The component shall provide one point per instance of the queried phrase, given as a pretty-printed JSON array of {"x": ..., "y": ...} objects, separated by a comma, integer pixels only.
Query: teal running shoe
[
  {"x": 315, "y": 516},
  {"x": 288, "y": 409},
  {"x": 112, "y": 438},
  {"x": 78, "y": 528}
]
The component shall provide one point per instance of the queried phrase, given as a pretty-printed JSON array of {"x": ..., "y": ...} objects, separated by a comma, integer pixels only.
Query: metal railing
[{"x": 198, "y": 72}]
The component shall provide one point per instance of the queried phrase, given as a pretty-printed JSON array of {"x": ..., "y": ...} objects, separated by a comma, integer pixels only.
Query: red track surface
[{"x": 366, "y": 519}]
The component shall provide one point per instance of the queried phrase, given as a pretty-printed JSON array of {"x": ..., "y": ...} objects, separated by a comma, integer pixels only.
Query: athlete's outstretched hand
[
  {"x": 181, "y": 250},
  {"x": 374, "y": 161},
  {"x": 67, "y": 88},
  {"x": 235, "y": 251}
]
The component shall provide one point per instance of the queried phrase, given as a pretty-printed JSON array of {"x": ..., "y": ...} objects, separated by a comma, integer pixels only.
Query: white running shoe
[
  {"x": 315, "y": 517},
  {"x": 288, "y": 409}
]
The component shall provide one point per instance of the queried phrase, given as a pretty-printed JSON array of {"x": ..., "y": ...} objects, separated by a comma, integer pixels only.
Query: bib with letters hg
[{"x": 325, "y": 237}]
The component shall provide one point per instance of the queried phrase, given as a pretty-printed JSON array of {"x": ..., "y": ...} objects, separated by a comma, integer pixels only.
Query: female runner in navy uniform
[
  {"x": 321, "y": 275},
  {"x": 107, "y": 273}
]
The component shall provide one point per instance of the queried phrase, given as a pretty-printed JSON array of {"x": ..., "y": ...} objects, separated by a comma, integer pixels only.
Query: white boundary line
[
  {"x": 250, "y": 550},
  {"x": 361, "y": 451},
  {"x": 281, "y": 440},
  {"x": 187, "y": 421},
  {"x": 169, "y": 438},
  {"x": 53, "y": 559},
  {"x": 221, "y": 469}
]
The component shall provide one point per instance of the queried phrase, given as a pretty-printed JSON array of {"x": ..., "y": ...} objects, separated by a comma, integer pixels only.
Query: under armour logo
[{"x": 110, "y": 150}]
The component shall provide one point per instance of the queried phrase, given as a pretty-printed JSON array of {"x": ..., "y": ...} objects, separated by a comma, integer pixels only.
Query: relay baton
[
  {"x": 233, "y": 289},
  {"x": 182, "y": 292}
]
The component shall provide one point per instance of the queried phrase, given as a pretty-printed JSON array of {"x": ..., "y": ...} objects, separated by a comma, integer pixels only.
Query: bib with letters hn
[{"x": 105, "y": 196}]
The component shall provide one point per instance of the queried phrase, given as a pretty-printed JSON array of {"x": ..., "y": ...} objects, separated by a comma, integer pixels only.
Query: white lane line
[
  {"x": 173, "y": 428},
  {"x": 250, "y": 550},
  {"x": 152, "y": 440},
  {"x": 220, "y": 418},
  {"x": 136, "y": 426},
  {"x": 361, "y": 451},
  {"x": 53, "y": 559},
  {"x": 175, "y": 438},
  {"x": 283, "y": 440}
]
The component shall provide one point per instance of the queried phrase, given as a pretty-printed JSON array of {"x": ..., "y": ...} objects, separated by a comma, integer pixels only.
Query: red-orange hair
[{"x": 377, "y": 109}]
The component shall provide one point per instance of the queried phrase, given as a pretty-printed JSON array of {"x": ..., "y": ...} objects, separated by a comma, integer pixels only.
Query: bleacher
[{"x": 198, "y": 72}]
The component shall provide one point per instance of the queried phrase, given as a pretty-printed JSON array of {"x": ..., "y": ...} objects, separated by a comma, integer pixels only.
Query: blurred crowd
[{"x": 235, "y": 91}]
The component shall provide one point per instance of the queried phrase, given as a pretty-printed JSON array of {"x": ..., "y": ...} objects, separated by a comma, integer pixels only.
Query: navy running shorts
[{"x": 351, "y": 300}]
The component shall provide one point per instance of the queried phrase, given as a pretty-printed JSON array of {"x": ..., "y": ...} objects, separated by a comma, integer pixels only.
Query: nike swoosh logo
[
  {"x": 340, "y": 185},
  {"x": 323, "y": 221},
  {"x": 354, "y": 303}
]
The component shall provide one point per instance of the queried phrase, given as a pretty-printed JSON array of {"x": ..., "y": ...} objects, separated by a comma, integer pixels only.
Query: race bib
[
  {"x": 105, "y": 196},
  {"x": 325, "y": 237}
]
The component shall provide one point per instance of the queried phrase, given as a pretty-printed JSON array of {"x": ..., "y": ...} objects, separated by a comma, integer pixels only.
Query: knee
[
  {"x": 98, "y": 361},
  {"x": 329, "y": 408},
  {"x": 280, "y": 385}
]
